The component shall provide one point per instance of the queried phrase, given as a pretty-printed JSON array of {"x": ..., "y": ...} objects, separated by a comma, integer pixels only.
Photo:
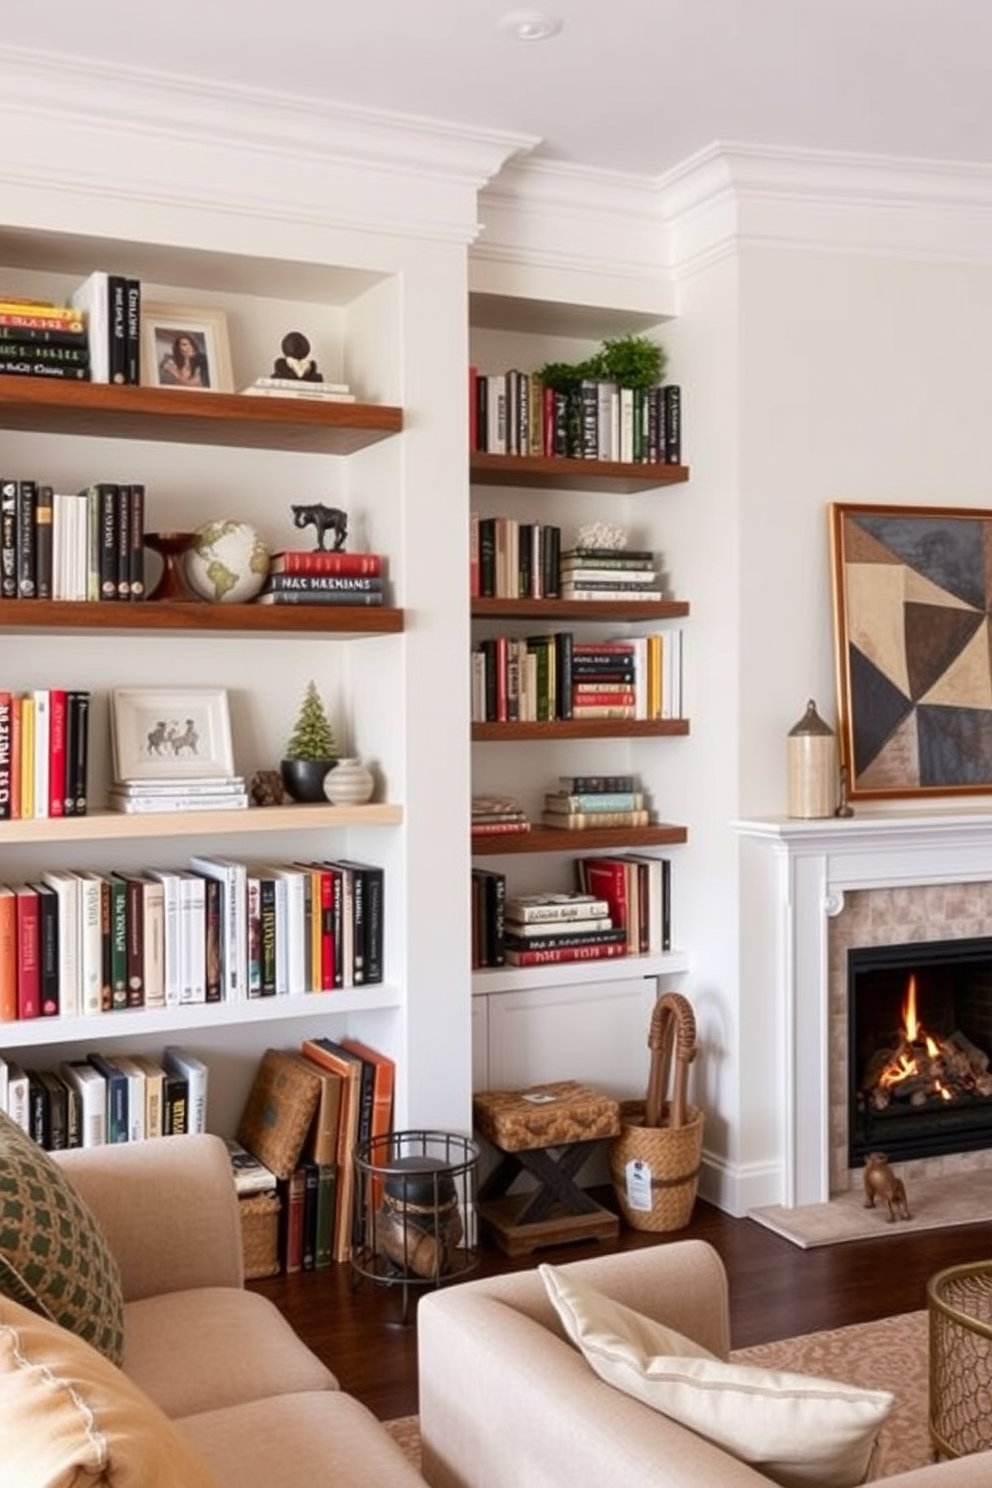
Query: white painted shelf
[{"x": 567, "y": 973}]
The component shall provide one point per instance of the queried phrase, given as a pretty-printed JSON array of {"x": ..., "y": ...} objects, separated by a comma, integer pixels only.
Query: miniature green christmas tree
[{"x": 313, "y": 737}]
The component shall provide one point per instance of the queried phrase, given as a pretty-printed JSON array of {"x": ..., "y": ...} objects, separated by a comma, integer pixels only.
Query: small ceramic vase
[{"x": 349, "y": 783}]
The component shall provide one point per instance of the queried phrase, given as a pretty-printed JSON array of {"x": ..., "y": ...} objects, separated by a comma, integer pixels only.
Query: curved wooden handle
[{"x": 672, "y": 1031}]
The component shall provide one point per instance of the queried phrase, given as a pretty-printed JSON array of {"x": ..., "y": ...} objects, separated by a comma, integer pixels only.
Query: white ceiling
[{"x": 627, "y": 85}]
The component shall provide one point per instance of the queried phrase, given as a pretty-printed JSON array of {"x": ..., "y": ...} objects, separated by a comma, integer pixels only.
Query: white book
[
  {"x": 182, "y": 1062},
  {"x": 18, "y": 1096},
  {"x": 3, "y": 1083},
  {"x": 151, "y": 805},
  {"x": 295, "y": 880},
  {"x": 92, "y": 297},
  {"x": 154, "y": 1093},
  {"x": 153, "y": 952},
  {"x": 66, "y": 886},
  {"x": 171, "y": 933},
  {"x": 90, "y": 944},
  {"x": 193, "y": 938},
  {"x": 91, "y": 1090},
  {"x": 136, "y": 1102},
  {"x": 42, "y": 735},
  {"x": 640, "y": 645},
  {"x": 234, "y": 920}
]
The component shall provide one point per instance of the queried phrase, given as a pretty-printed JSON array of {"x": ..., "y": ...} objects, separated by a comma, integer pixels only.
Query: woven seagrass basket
[{"x": 654, "y": 1163}]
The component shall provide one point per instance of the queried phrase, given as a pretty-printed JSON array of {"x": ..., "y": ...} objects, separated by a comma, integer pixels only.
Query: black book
[
  {"x": 38, "y": 1122},
  {"x": 8, "y": 539},
  {"x": 311, "y": 1178},
  {"x": 117, "y": 309},
  {"x": 360, "y": 873},
  {"x": 40, "y": 336},
  {"x": 123, "y": 544},
  {"x": 133, "y": 322},
  {"x": 213, "y": 891},
  {"x": 35, "y": 351},
  {"x": 550, "y": 561},
  {"x": 58, "y": 1111},
  {"x": 27, "y": 500},
  {"x": 108, "y": 501},
  {"x": 77, "y": 764},
  {"x": 673, "y": 423},
  {"x": 43, "y": 512},
  {"x": 48, "y": 949},
  {"x": 12, "y": 366},
  {"x": 135, "y": 920},
  {"x": 564, "y": 642},
  {"x": 374, "y": 891},
  {"x": 175, "y": 1105},
  {"x": 481, "y": 414},
  {"x": 136, "y": 540},
  {"x": 487, "y": 557},
  {"x": 267, "y": 931}
]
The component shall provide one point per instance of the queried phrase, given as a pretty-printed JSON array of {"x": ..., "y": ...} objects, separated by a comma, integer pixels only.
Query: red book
[
  {"x": 56, "y": 752},
  {"x": 28, "y": 952},
  {"x": 321, "y": 927},
  {"x": 293, "y": 1192},
  {"x": 606, "y": 878},
  {"x": 8, "y": 954},
  {"x": 563, "y": 953},
  {"x": 352, "y": 565}
]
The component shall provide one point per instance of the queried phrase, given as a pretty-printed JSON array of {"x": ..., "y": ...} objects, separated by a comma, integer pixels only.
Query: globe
[{"x": 227, "y": 562}]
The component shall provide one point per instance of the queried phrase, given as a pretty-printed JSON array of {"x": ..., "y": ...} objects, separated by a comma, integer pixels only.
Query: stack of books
[
  {"x": 203, "y": 793},
  {"x": 296, "y": 387},
  {"x": 581, "y": 804},
  {"x": 300, "y": 577},
  {"x": 41, "y": 339},
  {"x": 609, "y": 574},
  {"x": 542, "y": 929},
  {"x": 498, "y": 814}
]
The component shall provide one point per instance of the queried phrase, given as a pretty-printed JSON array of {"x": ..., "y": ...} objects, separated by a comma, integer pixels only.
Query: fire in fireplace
[{"x": 920, "y": 1048}]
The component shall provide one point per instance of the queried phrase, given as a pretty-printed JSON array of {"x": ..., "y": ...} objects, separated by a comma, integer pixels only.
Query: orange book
[
  {"x": 381, "y": 1117},
  {"x": 8, "y": 955},
  {"x": 341, "y": 1061}
]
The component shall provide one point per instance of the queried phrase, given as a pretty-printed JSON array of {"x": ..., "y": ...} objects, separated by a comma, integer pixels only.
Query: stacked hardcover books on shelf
[
  {"x": 297, "y": 387},
  {"x": 610, "y": 574},
  {"x": 588, "y": 808},
  {"x": 44, "y": 750},
  {"x": 325, "y": 578},
  {"x": 180, "y": 794},
  {"x": 498, "y": 814},
  {"x": 41, "y": 339},
  {"x": 544, "y": 929}
]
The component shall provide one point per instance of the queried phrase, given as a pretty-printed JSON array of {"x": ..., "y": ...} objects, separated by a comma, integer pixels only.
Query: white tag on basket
[{"x": 638, "y": 1180}]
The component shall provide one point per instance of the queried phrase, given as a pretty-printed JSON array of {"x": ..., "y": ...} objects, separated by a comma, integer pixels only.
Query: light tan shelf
[
  {"x": 119, "y": 827},
  {"x": 554, "y": 839}
]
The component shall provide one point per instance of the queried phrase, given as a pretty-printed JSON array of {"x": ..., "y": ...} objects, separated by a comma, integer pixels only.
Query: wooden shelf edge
[
  {"x": 557, "y": 472},
  {"x": 570, "y": 728},
  {"x": 55, "y": 616},
  {"x": 496, "y": 979},
  {"x": 151, "y": 1022},
  {"x": 579, "y": 609},
  {"x": 118, "y": 826},
  {"x": 554, "y": 839}
]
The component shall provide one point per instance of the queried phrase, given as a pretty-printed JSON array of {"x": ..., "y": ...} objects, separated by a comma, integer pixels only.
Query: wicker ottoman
[{"x": 547, "y": 1131}]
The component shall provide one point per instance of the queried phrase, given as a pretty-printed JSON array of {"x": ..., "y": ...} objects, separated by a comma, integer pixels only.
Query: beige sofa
[
  {"x": 506, "y": 1400},
  {"x": 256, "y": 1406}
]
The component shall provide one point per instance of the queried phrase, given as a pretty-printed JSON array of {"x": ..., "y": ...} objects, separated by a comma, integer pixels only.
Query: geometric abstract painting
[{"x": 912, "y": 610}]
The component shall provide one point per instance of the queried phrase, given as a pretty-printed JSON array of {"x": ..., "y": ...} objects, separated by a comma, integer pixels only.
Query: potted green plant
[
  {"x": 311, "y": 750},
  {"x": 630, "y": 361}
]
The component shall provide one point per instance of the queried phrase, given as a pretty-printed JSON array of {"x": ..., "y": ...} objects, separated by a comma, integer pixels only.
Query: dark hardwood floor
[{"x": 776, "y": 1290}]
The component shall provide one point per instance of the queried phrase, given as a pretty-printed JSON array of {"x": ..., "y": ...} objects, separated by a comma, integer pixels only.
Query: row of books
[
  {"x": 509, "y": 559},
  {"x": 323, "y": 589},
  {"x": 72, "y": 545},
  {"x": 95, "y": 337},
  {"x": 107, "y": 1098},
  {"x": 44, "y": 753},
  {"x": 498, "y": 813},
  {"x": 514, "y": 413},
  {"x": 85, "y": 943},
  {"x": 309, "y": 1110},
  {"x": 555, "y": 676}
]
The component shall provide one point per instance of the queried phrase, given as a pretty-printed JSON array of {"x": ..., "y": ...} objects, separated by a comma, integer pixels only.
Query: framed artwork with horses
[{"x": 179, "y": 734}]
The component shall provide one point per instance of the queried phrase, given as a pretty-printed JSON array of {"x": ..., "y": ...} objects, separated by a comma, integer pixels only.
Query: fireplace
[{"x": 919, "y": 1048}]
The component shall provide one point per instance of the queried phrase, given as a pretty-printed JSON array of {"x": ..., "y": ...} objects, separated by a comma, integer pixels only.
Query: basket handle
[{"x": 673, "y": 1030}]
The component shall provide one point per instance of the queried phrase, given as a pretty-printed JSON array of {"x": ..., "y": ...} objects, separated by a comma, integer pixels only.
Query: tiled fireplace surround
[{"x": 811, "y": 891}]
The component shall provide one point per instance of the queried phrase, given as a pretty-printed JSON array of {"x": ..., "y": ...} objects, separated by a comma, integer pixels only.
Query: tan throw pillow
[
  {"x": 795, "y": 1429},
  {"x": 70, "y": 1416},
  {"x": 54, "y": 1256}
]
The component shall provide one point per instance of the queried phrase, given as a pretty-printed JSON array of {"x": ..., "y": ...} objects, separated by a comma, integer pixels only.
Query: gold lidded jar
[{"x": 812, "y": 759}]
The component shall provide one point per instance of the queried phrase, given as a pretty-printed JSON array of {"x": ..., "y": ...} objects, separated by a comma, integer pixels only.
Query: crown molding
[
  {"x": 732, "y": 196},
  {"x": 121, "y": 131}
]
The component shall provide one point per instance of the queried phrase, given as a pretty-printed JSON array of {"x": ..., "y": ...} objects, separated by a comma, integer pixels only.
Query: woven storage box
[
  {"x": 260, "y": 1235},
  {"x": 545, "y": 1116},
  {"x": 654, "y": 1163}
]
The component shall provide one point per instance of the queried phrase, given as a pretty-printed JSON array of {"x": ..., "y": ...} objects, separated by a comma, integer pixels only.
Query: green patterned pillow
[{"x": 54, "y": 1257}]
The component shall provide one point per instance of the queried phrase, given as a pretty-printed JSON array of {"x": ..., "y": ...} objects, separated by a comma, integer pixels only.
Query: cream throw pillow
[
  {"x": 69, "y": 1416},
  {"x": 795, "y": 1429}
]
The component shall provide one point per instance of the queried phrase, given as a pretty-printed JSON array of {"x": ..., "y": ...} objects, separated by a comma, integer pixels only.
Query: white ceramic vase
[{"x": 350, "y": 783}]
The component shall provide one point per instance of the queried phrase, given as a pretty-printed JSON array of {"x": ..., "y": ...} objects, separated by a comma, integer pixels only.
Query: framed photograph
[
  {"x": 181, "y": 733},
  {"x": 912, "y": 600},
  {"x": 185, "y": 347}
]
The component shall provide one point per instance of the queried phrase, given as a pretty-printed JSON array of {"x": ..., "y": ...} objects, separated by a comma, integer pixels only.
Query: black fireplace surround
[{"x": 953, "y": 995}]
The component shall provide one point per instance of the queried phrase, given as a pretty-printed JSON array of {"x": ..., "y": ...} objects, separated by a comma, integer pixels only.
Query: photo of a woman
[{"x": 183, "y": 362}]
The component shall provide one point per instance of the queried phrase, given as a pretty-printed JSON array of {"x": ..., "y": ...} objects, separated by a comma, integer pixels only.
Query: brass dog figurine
[{"x": 882, "y": 1183}]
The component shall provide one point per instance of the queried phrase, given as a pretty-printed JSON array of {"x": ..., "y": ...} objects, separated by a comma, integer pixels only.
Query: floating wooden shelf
[
  {"x": 557, "y": 473},
  {"x": 585, "y": 728},
  {"x": 50, "y": 615},
  {"x": 554, "y": 839},
  {"x": 238, "y": 419},
  {"x": 596, "y": 611},
  {"x": 98, "y": 826}
]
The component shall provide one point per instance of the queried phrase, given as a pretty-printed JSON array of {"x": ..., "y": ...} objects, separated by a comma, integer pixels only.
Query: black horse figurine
[{"x": 323, "y": 519}]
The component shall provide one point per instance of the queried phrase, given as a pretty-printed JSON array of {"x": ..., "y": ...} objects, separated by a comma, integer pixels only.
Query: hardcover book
[{"x": 279, "y": 1110}]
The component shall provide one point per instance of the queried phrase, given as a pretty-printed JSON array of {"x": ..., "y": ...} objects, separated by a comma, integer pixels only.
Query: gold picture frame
[
  {"x": 912, "y": 590},
  {"x": 202, "y": 364}
]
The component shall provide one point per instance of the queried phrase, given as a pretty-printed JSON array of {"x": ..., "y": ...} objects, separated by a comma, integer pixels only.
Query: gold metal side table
[{"x": 959, "y": 1303}]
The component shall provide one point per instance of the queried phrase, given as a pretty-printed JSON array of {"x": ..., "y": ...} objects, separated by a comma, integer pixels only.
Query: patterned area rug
[{"x": 887, "y": 1355}]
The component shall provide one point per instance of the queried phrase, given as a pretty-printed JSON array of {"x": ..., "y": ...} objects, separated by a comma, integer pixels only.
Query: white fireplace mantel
[{"x": 794, "y": 875}]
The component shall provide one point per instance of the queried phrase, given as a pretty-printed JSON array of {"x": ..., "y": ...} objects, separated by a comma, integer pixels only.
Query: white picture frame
[
  {"x": 203, "y": 364},
  {"x": 180, "y": 733}
]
